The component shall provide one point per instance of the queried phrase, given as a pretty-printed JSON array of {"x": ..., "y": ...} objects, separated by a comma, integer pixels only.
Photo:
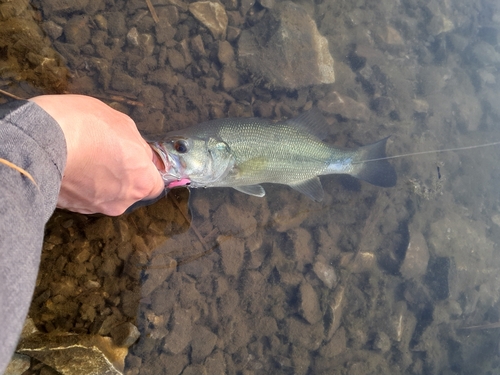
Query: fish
[{"x": 244, "y": 153}]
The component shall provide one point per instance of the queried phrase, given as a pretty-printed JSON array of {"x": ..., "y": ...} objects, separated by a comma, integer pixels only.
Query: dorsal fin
[{"x": 311, "y": 122}]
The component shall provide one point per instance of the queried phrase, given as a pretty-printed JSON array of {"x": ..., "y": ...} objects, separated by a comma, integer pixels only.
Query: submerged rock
[
  {"x": 212, "y": 15},
  {"x": 286, "y": 49},
  {"x": 75, "y": 354}
]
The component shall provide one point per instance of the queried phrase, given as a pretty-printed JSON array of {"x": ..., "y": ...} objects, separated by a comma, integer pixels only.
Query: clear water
[{"x": 369, "y": 281}]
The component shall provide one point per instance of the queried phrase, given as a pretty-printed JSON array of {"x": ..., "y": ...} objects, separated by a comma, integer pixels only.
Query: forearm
[{"x": 33, "y": 156}]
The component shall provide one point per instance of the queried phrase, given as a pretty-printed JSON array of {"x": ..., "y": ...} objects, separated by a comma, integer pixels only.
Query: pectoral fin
[
  {"x": 312, "y": 188},
  {"x": 255, "y": 190}
]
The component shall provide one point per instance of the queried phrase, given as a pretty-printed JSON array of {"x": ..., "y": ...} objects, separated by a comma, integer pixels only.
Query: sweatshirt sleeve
[{"x": 33, "y": 157}]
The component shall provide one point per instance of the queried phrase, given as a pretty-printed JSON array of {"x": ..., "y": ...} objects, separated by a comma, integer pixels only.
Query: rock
[
  {"x": 176, "y": 60},
  {"x": 76, "y": 31},
  {"x": 286, "y": 49},
  {"x": 348, "y": 108},
  {"x": 300, "y": 240},
  {"x": 180, "y": 335},
  {"x": 215, "y": 364},
  {"x": 125, "y": 334},
  {"x": 157, "y": 271},
  {"x": 303, "y": 334},
  {"x": 52, "y": 29},
  {"x": 417, "y": 256},
  {"x": 225, "y": 53},
  {"x": 382, "y": 342},
  {"x": 309, "y": 307},
  {"x": 232, "y": 253},
  {"x": 336, "y": 345},
  {"x": 18, "y": 364},
  {"x": 125, "y": 83},
  {"x": 117, "y": 25},
  {"x": 230, "y": 78},
  {"x": 195, "y": 370},
  {"x": 212, "y": 15},
  {"x": 202, "y": 344},
  {"x": 63, "y": 6},
  {"x": 231, "y": 220},
  {"x": 325, "y": 273},
  {"x": 75, "y": 354},
  {"x": 197, "y": 46}
]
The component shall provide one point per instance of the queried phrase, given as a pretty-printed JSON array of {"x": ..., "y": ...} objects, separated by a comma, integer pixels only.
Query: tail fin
[{"x": 369, "y": 167}]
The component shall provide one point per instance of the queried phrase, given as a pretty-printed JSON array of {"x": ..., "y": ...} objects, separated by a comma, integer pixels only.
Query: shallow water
[{"x": 369, "y": 281}]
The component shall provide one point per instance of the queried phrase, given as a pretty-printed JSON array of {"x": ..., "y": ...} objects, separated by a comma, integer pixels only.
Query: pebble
[
  {"x": 230, "y": 220},
  {"x": 325, "y": 273},
  {"x": 309, "y": 307},
  {"x": 212, "y": 15},
  {"x": 180, "y": 335},
  {"x": 417, "y": 256},
  {"x": 202, "y": 343},
  {"x": 76, "y": 31},
  {"x": 125, "y": 334},
  {"x": 232, "y": 253}
]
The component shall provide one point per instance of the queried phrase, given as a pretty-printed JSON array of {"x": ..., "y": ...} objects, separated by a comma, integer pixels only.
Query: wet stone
[
  {"x": 417, "y": 256},
  {"x": 64, "y": 6},
  {"x": 180, "y": 335},
  {"x": 336, "y": 345},
  {"x": 212, "y": 15},
  {"x": 226, "y": 53},
  {"x": 309, "y": 303},
  {"x": 286, "y": 49},
  {"x": 202, "y": 343},
  {"x": 18, "y": 364},
  {"x": 76, "y": 31},
  {"x": 325, "y": 273},
  {"x": 232, "y": 254},
  {"x": 117, "y": 24},
  {"x": 342, "y": 105},
  {"x": 382, "y": 342},
  {"x": 231, "y": 220},
  {"x": 125, "y": 334},
  {"x": 215, "y": 364},
  {"x": 158, "y": 270},
  {"x": 195, "y": 370},
  {"x": 75, "y": 354},
  {"x": 304, "y": 335},
  {"x": 230, "y": 78}
]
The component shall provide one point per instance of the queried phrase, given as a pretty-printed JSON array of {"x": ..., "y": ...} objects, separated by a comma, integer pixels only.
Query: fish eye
[{"x": 180, "y": 146}]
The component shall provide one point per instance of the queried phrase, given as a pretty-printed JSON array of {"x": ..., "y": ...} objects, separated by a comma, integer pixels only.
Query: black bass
[{"x": 243, "y": 153}]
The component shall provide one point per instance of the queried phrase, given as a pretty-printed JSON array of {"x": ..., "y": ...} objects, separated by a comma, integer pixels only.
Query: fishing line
[{"x": 429, "y": 152}]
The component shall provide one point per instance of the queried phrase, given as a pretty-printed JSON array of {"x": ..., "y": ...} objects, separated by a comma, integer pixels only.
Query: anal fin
[{"x": 312, "y": 188}]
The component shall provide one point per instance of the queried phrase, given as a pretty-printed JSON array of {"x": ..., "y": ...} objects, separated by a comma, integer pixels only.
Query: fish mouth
[{"x": 169, "y": 166}]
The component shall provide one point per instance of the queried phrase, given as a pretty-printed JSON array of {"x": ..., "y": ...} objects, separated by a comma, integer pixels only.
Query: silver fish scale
[{"x": 269, "y": 152}]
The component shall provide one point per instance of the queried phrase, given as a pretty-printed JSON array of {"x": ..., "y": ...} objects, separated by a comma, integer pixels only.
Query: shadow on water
[{"x": 371, "y": 280}]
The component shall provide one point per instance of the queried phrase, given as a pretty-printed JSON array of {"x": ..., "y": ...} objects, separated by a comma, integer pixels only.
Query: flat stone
[
  {"x": 417, "y": 256},
  {"x": 286, "y": 49},
  {"x": 342, "y": 105},
  {"x": 202, "y": 344},
  {"x": 77, "y": 31},
  {"x": 325, "y": 273},
  {"x": 231, "y": 220},
  {"x": 75, "y": 354},
  {"x": 125, "y": 334},
  {"x": 18, "y": 365},
  {"x": 309, "y": 304},
  {"x": 180, "y": 335},
  {"x": 232, "y": 253},
  {"x": 212, "y": 15}
]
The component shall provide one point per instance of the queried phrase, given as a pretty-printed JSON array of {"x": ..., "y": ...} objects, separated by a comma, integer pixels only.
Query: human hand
[{"x": 109, "y": 165}]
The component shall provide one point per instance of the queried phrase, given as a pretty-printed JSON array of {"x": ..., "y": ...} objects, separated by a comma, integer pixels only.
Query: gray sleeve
[{"x": 30, "y": 139}]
